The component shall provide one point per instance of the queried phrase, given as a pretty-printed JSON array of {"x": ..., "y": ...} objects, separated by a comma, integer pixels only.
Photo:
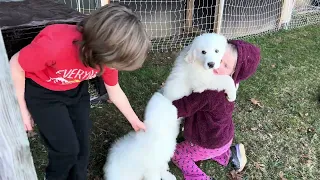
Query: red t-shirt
[{"x": 52, "y": 60}]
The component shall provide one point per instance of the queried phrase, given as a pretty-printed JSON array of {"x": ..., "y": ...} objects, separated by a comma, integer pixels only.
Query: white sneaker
[{"x": 238, "y": 157}]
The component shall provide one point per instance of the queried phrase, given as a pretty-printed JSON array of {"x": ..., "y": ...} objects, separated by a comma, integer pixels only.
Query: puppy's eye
[
  {"x": 217, "y": 51},
  {"x": 204, "y": 52}
]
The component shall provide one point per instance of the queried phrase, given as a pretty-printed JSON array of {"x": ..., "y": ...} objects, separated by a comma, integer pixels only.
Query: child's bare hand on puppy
[
  {"x": 120, "y": 100},
  {"x": 138, "y": 125}
]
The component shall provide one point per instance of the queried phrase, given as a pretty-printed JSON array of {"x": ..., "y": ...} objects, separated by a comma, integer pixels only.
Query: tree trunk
[{"x": 16, "y": 161}]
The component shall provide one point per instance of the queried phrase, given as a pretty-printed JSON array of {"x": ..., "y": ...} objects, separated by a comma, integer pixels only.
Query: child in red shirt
[
  {"x": 51, "y": 80},
  {"x": 208, "y": 125}
]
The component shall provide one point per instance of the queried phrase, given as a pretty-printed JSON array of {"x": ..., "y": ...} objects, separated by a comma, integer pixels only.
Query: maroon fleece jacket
[{"x": 208, "y": 115}]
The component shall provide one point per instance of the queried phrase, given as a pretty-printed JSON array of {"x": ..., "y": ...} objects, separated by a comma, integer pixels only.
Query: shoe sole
[{"x": 241, "y": 152}]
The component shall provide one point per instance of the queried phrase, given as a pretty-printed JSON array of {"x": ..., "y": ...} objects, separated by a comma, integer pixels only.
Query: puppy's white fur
[
  {"x": 145, "y": 155},
  {"x": 191, "y": 72}
]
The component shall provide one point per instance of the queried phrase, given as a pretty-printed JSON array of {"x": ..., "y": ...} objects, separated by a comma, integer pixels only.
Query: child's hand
[
  {"x": 27, "y": 120},
  {"x": 118, "y": 97},
  {"x": 138, "y": 125}
]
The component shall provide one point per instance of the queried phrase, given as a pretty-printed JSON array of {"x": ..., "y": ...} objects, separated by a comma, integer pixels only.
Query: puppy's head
[{"x": 208, "y": 50}]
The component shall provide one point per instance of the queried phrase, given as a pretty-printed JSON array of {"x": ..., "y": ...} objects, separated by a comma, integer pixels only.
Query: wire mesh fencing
[{"x": 174, "y": 23}]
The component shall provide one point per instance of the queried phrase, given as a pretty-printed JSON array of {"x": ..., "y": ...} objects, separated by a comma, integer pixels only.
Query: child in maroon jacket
[{"x": 208, "y": 125}]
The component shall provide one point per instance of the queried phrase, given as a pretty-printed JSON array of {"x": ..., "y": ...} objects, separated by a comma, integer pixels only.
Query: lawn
[{"x": 281, "y": 135}]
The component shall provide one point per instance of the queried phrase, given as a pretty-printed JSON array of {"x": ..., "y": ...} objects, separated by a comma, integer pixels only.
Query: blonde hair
[
  {"x": 234, "y": 52},
  {"x": 113, "y": 36}
]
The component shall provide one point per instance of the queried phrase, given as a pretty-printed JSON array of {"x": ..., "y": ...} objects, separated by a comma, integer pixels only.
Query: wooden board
[{"x": 16, "y": 162}]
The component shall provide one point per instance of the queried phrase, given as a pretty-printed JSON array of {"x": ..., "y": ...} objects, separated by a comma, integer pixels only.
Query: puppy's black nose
[{"x": 210, "y": 64}]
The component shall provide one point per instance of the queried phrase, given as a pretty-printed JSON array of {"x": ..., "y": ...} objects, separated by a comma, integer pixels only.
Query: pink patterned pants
[{"x": 186, "y": 154}]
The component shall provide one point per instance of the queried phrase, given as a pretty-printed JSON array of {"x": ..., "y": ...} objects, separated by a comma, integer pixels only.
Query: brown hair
[{"x": 113, "y": 36}]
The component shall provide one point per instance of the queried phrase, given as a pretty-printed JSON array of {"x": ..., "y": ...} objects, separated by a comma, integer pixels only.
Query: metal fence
[{"x": 173, "y": 23}]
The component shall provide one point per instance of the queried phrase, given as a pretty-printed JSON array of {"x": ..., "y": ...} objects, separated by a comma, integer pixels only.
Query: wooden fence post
[
  {"x": 189, "y": 16},
  {"x": 218, "y": 16},
  {"x": 104, "y": 2},
  {"x": 286, "y": 13},
  {"x": 16, "y": 161}
]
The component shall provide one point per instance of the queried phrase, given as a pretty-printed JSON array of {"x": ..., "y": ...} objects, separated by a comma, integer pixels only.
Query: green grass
[{"x": 282, "y": 137}]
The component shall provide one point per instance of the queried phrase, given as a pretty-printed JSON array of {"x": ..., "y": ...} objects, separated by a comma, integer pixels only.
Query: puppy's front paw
[
  {"x": 199, "y": 90},
  {"x": 231, "y": 96}
]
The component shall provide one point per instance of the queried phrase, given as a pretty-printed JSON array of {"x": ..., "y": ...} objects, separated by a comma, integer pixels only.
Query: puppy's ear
[{"x": 191, "y": 55}]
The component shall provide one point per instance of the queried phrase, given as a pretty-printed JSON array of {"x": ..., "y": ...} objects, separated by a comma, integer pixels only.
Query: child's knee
[
  {"x": 73, "y": 150},
  {"x": 70, "y": 150},
  {"x": 182, "y": 150}
]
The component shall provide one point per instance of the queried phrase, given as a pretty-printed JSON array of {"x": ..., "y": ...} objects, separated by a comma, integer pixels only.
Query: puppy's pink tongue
[{"x": 215, "y": 71}]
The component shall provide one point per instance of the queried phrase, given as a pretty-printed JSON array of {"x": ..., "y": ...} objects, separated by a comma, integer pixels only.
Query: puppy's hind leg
[
  {"x": 152, "y": 175},
  {"x": 166, "y": 175}
]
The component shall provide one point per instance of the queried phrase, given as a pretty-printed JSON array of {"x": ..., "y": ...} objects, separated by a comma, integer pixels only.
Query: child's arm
[
  {"x": 18, "y": 77},
  {"x": 118, "y": 97},
  {"x": 189, "y": 105}
]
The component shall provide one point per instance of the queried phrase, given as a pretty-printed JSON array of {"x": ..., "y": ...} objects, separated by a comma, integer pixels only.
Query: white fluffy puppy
[
  {"x": 193, "y": 69},
  {"x": 145, "y": 155}
]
